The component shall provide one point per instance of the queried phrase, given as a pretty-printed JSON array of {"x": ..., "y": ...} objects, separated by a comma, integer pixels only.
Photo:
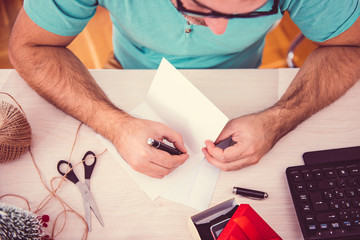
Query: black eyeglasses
[{"x": 215, "y": 14}]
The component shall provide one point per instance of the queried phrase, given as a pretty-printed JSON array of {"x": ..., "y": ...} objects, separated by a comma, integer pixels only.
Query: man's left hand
[{"x": 250, "y": 135}]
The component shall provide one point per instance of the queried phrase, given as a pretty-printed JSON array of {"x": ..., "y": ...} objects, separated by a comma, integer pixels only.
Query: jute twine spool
[{"x": 15, "y": 132}]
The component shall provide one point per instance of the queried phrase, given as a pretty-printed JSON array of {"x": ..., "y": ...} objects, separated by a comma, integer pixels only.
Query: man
[{"x": 190, "y": 34}]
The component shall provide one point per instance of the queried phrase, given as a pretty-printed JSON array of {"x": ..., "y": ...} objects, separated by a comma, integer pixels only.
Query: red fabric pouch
[{"x": 246, "y": 224}]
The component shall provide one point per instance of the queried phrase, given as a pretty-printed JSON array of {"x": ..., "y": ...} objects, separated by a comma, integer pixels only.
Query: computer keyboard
[{"x": 327, "y": 199}]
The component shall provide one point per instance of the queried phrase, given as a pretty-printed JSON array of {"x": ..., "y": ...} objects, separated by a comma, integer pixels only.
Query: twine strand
[
  {"x": 52, "y": 193},
  {"x": 15, "y": 139},
  {"x": 18, "y": 196}
]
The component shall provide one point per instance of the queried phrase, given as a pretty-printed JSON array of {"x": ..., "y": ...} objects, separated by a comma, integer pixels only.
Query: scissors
[{"x": 84, "y": 188}]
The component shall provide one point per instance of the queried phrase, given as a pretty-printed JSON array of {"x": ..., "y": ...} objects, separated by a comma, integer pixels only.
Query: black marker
[
  {"x": 250, "y": 193},
  {"x": 163, "y": 146}
]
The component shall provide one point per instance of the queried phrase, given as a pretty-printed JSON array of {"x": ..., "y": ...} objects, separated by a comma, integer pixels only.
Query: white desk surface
[{"x": 126, "y": 210}]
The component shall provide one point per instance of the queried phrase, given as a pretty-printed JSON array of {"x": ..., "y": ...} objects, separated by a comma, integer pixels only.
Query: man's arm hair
[
  {"x": 326, "y": 75},
  {"x": 52, "y": 70}
]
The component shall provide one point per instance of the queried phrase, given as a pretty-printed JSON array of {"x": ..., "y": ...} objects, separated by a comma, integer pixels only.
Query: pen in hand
[
  {"x": 250, "y": 193},
  {"x": 164, "y": 147}
]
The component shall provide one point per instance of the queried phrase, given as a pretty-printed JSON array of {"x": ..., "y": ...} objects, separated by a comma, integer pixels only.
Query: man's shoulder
[{"x": 62, "y": 17}]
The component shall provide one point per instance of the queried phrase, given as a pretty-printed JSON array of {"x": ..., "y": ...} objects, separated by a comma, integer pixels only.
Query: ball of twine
[{"x": 15, "y": 133}]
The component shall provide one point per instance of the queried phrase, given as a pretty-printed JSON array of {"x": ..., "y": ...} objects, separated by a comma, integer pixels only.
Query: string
[
  {"x": 21, "y": 124},
  {"x": 52, "y": 192},
  {"x": 17, "y": 196},
  {"x": 23, "y": 112},
  {"x": 63, "y": 202}
]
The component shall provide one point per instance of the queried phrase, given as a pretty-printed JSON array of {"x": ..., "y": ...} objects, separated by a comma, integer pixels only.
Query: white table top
[{"x": 127, "y": 212}]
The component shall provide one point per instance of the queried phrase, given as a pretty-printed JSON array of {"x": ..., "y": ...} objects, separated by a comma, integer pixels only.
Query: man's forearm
[
  {"x": 59, "y": 76},
  {"x": 325, "y": 76}
]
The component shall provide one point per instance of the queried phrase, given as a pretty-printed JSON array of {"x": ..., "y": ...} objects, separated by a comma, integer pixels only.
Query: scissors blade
[
  {"x": 87, "y": 214},
  {"x": 87, "y": 207},
  {"x": 89, "y": 199},
  {"x": 87, "y": 182}
]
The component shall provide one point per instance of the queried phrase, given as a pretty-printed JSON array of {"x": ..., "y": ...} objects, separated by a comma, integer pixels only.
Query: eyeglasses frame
[{"x": 214, "y": 14}]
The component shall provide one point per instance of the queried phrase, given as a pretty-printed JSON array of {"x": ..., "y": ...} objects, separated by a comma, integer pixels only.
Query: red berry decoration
[{"x": 45, "y": 218}]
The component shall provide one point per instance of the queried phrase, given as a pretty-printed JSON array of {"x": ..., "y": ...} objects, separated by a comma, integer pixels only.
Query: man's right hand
[{"x": 131, "y": 141}]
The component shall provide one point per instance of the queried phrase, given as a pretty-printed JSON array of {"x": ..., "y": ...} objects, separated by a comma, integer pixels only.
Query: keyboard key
[
  {"x": 354, "y": 214},
  {"x": 297, "y": 177},
  {"x": 328, "y": 195},
  {"x": 357, "y": 223},
  {"x": 307, "y": 175},
  {"x": 324, "y": 226},
  {"x": 326, "y": 184},
  {"x": 344, "y": 215},
  {"x": 334, "y": 205},
  {"x": 320, "y": 206},
  {"x": 355, "y": 203},
  {"x": 341, "y": 183},
  {"x": 342, "y": 172},
  {"x": 345, "y": 204},
  {"x": 330, "y": 173},
  {"x": 309, "y": 218},
  {"x": 312, "y": 227},
  {"x": 300, "y": 187},
  {"x": 318, "y": 174},
  {"x": 347, "y": 224},
  {"x": 306, "y": 208},
  {"x": 351, "y": 182},
  {"x": 339, "y": 194},
  {"x": 350, "y": 193},
  {"x": 326, "y": 217},
  {"x": 311, "y": 186},
  {"x": 354, "y": 171},
  {"x": 303, "y": 198},
  {"x": 318, "y": 202},
  {"x": 335, "y": 225}
]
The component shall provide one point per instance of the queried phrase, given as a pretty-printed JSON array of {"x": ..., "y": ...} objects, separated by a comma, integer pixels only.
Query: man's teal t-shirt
[{"x": 145, "y": 31}]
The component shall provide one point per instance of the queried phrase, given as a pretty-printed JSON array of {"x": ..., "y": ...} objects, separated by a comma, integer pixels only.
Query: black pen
[
  {"x": 250, "y": 193},
  {"x": 163, "y": 146}
]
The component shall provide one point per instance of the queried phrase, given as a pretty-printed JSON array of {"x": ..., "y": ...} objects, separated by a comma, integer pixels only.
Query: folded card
[{"x": 173, "y": 100}]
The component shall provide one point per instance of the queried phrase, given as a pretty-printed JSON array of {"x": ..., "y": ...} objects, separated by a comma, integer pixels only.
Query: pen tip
[{"x": 266, "y": 195}]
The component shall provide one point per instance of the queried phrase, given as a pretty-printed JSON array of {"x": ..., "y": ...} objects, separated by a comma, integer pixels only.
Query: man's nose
[{"x": 217, "y": 25}]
